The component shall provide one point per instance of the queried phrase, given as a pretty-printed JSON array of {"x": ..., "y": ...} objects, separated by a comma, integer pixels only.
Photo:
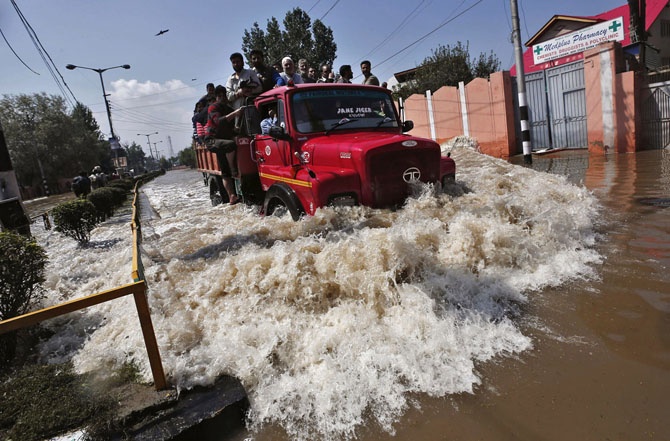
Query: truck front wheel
[
  {"x": 280, "y": 199},
  {"x": 448, "y": 179}
]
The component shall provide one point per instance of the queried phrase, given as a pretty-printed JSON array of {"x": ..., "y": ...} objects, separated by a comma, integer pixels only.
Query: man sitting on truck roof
[{"x": 220, "y": 139}]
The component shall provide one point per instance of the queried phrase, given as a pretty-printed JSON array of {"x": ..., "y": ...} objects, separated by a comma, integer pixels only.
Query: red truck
[{"x": 332, "y": 144}]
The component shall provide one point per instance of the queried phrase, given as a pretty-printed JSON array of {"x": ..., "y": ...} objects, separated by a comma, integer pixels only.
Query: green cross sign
[
  {"x": 614, "y": 26},
  {"x": 538, "y": 50}
]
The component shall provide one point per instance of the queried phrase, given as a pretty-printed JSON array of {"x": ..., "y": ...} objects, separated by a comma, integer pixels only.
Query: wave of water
[{"x": 337, "y": 320}]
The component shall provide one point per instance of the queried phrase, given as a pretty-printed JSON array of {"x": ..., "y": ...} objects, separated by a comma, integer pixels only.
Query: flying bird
[{"x": 162, "y": 32}]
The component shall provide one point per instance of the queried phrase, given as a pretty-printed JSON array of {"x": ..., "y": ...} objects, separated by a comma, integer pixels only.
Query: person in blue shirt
[{"x": 270, "y": 121}]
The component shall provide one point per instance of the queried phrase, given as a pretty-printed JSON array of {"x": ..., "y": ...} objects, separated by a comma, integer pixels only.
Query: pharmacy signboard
[{"x": 578, "y": 41}]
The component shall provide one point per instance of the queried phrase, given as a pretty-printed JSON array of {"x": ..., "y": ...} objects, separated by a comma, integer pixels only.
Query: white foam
[{"x": 340, "y": 316}]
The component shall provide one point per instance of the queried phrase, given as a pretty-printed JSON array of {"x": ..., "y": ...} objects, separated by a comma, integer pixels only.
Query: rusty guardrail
[{"x": 138, "y": 289}]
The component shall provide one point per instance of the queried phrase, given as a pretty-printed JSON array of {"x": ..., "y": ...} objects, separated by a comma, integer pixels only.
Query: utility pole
[
  {"x": 521, "y": 85},
  {"x": 170, "y": 151},
  {"x": 638, "y": 28},
  {"x": 156, "y": 150}
]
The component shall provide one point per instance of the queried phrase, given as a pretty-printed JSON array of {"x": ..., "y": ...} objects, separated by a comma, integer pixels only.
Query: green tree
[
  {"x": 187, "y": 157},
  {"x": 447, "y": 66},
  {"x": 44, "y": 139},
  {"x": 86, "y": 145},
  {"x": 32, "y": 140},
  {"x": 485, "y": 65},
  {"x": 300, "y": 39},
  {"x": 164, "y": 163},
  {"x": 324, "y": 44},
  {"x": 273, "y": 42},
  {"x": 297, "y": 35},
  {"x": 135, "y": 157},
  {"x": 254, "y": 39}
]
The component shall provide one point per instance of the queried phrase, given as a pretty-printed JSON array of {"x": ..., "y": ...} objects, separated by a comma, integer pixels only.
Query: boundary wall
[{"x": 485, "y": 109}]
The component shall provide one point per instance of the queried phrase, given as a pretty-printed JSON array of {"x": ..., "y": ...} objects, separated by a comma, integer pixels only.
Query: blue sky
[{"x": 169, "y": 72}]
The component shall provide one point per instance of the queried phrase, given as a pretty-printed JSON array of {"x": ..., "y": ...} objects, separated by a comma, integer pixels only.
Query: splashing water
[{"x": 334, "y": 321}]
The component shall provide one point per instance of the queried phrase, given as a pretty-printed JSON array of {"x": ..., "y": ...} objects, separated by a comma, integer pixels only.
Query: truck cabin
[{"x": 317, "y": 109}]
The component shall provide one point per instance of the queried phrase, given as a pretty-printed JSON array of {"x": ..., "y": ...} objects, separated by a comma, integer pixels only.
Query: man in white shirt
[{"x": 242, "y": 83}]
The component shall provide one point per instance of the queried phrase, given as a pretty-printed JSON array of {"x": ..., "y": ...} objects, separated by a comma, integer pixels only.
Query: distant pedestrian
[{"x": 81, "y": 185}]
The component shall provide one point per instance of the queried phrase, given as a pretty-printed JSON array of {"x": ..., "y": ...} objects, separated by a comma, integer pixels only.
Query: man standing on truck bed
[
  {"x": 242, "y": 83},
  {"x": 220, "y": 139},
  {"x": 268, "y": 76},
  {"x": 369, "y": 78}
]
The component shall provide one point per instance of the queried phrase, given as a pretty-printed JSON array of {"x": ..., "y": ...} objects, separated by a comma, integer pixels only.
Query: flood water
[{"x": 524, "y": 303}]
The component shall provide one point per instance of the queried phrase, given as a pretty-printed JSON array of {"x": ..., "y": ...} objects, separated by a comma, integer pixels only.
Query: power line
[
  {"x": 51, "y": 66},
  {"x": 394, "y": 32},
  {"x": 429, "y": 33},
  {"x": 15, "y": 54},
  {"x": 310, "y": 9},
  {"x": 328, "y": 11}
]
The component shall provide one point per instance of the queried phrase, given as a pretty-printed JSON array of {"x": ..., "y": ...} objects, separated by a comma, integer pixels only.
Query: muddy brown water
[{"x": 600, "y": 366}]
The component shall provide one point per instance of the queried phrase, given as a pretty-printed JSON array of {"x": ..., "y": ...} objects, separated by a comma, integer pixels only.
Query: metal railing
[{"x": 138, "y": 289}]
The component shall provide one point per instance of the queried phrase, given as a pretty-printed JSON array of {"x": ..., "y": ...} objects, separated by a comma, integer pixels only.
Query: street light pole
[
  {"x": 104, "y": 93},
  {"x": 148, "y": 141},
  {"x": 156, "y": 149}
]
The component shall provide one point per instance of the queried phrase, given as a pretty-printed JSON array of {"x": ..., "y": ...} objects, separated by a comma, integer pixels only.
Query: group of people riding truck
[{"x": 218, "y": 114}]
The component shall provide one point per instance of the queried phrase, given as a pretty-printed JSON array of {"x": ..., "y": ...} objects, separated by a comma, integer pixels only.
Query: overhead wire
[
  {"x": 328, "y": 11},
  {"x": 51, "y": 66},
  {"x": 313, "y": 6},
  {"x": 15, "y": 54},
  {"x": 429, "y": 33},
  {"x": 394, "y": 32}
]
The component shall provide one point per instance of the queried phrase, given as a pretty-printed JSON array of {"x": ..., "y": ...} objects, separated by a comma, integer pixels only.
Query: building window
[{"x": 665, "y": 28}]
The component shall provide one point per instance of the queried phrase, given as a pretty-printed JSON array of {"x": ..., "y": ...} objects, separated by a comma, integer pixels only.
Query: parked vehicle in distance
[{"x": 331, "y": 144}]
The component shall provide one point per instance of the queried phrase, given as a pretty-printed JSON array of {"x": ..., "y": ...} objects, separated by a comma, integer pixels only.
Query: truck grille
[{"x": 387, "y": 167}]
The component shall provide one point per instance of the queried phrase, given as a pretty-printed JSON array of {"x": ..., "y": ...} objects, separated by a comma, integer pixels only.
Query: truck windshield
[{"x": 325, "y": 110}]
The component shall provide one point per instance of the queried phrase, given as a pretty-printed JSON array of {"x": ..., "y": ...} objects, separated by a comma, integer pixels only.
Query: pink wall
[
  {"x": 612, "y": 123},
  {"x": 416, "y": 109},
  {"x": 628, "y": 117},
  {"x": 594, "y": 98},
  {"x": 623, "y": 97},
  {"x": 447, "y": 111},
  {"x": 490, "y": 114}
]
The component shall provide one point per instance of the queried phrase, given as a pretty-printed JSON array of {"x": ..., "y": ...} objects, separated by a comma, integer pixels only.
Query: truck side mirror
[
  {"x": 278, "y": 132},
  {"x": 407, "y": 126}
]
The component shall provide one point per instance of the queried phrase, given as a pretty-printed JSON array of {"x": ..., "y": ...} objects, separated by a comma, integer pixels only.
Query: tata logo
[
  {"x": 409, "y": 143},
  {"x": 411, "y": 175}
]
